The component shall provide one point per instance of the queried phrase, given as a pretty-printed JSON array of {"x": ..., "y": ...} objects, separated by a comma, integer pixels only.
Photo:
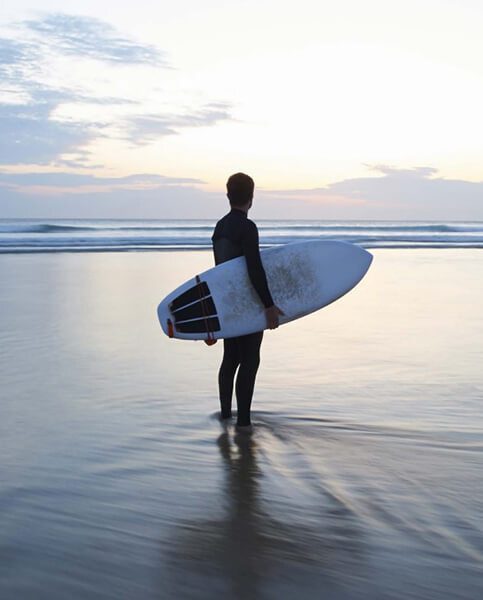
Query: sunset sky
[{"x": 338, "y": 110}]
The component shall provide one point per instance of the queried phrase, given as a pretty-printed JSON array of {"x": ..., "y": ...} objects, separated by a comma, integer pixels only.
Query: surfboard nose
[
  {"x": 362, "y": 259},
  {"x": 340, "y": 267},
  {"x": 357, "y": 253},
  {"x": 367, "y": 257}
]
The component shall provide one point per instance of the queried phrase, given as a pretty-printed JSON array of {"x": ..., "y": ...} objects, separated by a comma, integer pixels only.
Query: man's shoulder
[
  {"x": 223, "y": 218},
  {"x": 220, "y": 222},
  {"x": 251, "y": 225}
]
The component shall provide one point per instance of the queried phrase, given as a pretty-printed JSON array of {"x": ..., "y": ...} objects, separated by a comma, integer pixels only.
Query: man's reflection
[{"x": 239, "y": 554}]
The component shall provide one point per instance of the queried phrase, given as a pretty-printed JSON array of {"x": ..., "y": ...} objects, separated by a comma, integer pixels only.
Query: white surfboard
[{"x": 302, "y": 277}]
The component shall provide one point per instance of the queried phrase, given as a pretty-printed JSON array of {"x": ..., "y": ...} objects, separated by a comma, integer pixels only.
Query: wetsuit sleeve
[
  {"x": 214, "y": 237},
  {"x": 256, "y": 272}
]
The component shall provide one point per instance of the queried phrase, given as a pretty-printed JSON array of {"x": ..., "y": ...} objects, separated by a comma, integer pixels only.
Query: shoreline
[{"x": 208, "y": 248}]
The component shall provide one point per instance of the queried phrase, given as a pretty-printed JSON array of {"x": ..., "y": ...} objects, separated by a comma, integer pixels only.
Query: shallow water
[{"x": 363, "y": 478}]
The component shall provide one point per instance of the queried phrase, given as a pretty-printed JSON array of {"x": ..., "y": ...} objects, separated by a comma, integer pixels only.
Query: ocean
[
  {"x": 121, "y": 235},
  {"x": 363, "y": 478}
]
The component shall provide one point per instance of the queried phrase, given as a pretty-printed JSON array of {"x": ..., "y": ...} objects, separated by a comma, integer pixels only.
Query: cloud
[
  {"x": 29, "y": 135},
  {"x": 92, "y": 38},
  {"x": 71, "y": 195},
  {"x": 143, "y": 129},
  {"x": 12, "y": 52},
  {"x": 40, "y": 108},
  {"x": 414, "y": 172},
  {"x": 415, "y": 193},
  {"x": 66, "y": 179},
  {"x": 408, "y": 194}
]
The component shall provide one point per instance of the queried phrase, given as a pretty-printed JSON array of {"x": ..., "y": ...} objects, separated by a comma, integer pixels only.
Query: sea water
[{"x": 107, "y": 235}]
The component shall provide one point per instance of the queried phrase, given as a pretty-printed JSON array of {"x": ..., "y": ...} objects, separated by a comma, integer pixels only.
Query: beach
[{"x": 363, "y": 478}]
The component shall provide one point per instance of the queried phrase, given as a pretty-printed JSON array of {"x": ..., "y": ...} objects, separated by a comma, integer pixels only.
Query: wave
[
  {"x": 117, "y": 245},
  {"x": 182, "y": 248},
  {"x": 117, "y": 235},
  {"x": 57, "y": 228},
  {"x": 391, "y": 227},
  {"x": 282, "y": 237},
  {"x": 99, "y": 227}
]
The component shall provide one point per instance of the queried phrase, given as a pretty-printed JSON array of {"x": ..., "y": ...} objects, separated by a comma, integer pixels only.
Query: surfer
[{"x": 236, "y": 235}]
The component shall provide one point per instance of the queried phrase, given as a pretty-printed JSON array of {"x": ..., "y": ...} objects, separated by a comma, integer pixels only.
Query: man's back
[
  {"x": 228, "y": 235},
  {"x": 236, "y": 235}
]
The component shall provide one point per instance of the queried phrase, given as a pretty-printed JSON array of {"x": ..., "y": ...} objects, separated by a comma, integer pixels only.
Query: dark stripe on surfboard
[
  {"x": 190, "y": 296},
  {"x": 199, "y": 325},
  {"x": 196, "y": 310}
]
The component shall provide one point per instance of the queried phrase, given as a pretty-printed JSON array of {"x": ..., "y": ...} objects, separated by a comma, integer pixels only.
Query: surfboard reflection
[{"x": 248, "y": 549}]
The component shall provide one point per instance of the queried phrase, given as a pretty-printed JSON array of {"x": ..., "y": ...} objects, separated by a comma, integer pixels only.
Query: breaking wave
[{"x": 116, "y": 235}]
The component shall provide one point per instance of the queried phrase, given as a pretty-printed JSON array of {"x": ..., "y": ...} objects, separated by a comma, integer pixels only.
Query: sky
[{"x": 347, "y": 110}]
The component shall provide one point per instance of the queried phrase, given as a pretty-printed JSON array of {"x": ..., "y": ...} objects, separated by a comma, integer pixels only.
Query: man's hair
[{"x": 239, "y": 189}]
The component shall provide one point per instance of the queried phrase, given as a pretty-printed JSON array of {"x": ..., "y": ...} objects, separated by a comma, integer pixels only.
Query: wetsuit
[{"x": 235, "y": 235}]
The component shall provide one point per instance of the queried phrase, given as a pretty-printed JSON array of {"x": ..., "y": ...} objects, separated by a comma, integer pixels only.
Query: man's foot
[
  {"x": 244, "y": 428},
  {"x": 225, "y": 422}
]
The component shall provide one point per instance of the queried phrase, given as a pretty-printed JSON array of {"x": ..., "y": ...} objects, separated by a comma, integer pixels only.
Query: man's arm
[{"x": 256, "y": 272}]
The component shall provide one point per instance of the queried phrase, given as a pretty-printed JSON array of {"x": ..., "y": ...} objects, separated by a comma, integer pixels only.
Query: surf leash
[{"x": 170, "y": 328}]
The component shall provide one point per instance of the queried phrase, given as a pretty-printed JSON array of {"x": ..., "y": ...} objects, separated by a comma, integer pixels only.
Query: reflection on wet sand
[
  {"x": 364, "y": 480},
  {"x": 250, "y": 554}
]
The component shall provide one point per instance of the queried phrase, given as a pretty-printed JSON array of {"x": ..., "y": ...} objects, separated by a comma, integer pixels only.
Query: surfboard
[{"x": 222, "y": 303}]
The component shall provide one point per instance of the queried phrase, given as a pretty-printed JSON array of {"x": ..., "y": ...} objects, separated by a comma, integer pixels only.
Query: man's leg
[
  {"x": 226, "y": 375},
  {"x": 249, "y": 351}
]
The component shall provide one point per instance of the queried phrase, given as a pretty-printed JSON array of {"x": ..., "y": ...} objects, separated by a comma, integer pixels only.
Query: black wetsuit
[{"x": 235, "y": 235}]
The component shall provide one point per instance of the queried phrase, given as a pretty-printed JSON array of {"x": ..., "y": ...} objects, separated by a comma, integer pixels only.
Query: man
[{"x": 236, "y": 235}]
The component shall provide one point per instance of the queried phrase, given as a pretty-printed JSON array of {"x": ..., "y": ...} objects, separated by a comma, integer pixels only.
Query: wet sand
[{"x": 363, "y": 478}]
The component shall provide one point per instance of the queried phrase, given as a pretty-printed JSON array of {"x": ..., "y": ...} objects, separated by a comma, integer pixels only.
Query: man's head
[{"x": 239, "y": 188}]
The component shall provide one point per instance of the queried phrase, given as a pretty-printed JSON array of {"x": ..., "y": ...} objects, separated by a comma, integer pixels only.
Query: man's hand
[{"x": 272, "y": 313}]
